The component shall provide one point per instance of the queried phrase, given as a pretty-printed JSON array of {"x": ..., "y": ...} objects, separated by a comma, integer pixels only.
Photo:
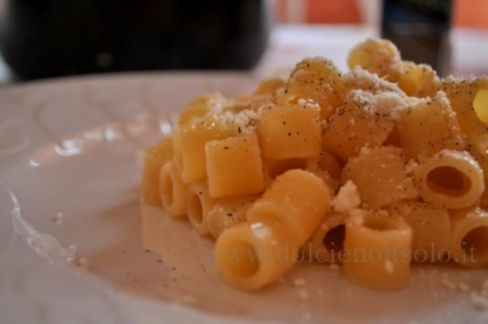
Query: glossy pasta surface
[{"x": 373, "y": 170}]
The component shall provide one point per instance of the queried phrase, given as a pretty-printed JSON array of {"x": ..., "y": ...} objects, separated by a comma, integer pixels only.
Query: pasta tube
[
  {"x": 227, "y": 212},
  {"x": 172, "y": 190},
  {"x": 469, "y": 238},
  {"x": 377, "y": 251},
  {"x": 154, "y": 159},
  {"x": 198, "y": 206},
  {"x": 327, "y": 240},
  {"x": 450, "y": 179},
  {"x": 430, "y": 229},
  {"x": 277, "y": 225}
]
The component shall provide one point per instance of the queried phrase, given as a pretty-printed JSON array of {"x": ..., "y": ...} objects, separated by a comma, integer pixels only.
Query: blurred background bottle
[
  {"x": 46, "y": 38},
  {"x": 420, "y": 29}
]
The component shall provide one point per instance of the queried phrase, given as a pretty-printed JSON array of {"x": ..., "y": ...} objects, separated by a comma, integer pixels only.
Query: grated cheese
[{"x": 347, "y": 198}]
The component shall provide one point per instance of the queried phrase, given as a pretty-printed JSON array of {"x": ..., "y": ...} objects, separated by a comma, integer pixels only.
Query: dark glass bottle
[
  {"x": 45, "y": 38},
  {"x": 420, "y": 29}
]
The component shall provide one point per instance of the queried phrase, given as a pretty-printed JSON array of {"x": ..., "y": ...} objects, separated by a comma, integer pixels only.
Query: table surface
[{"x": 290, "y": 43}]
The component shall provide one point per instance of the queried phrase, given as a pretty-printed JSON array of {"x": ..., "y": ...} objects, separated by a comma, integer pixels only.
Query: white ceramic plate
[{"x": 70, "y": 160}]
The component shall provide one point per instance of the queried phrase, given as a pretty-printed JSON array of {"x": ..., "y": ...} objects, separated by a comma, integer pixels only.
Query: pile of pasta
[{"x": 374, "y": 170}]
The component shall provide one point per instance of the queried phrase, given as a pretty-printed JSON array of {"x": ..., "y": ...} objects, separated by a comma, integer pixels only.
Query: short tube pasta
[
  {"x": 154, "y": 159},
  {"x": 418, "y": 80},
  {"x": 327, "y": 240},
  {"x": 274, "y": 168},
  {"x": 330, "y": 163},
  {"x": 234, "y": 166},
  {"x": 190, "y": 140},
  {"x": 200, "y": 106},
  {"x": 227, "y": 212},
  {"x": 430, "y": 229},
  {"x": 377, "y": 251},
  {"x": 198, "y": 206},
  {"x": 290, "y": 131},
  {"x": 386, "y": 180},
  {"x": 252, "y": 255},
  {"x": 357, "y": 124},
  {"x": 297, "y": 200},
  {"x": 469, "y": 238},
  {"x": 277, "y": 225},
  {"x": 172, "y": 190},
  {"x": 450, "y": 179},
  {"x": 320, "y": 72},
  {"x": 400, "y": 154},
  {"x": 376, "y": 55},
  {"x": 429, "y": 126}
]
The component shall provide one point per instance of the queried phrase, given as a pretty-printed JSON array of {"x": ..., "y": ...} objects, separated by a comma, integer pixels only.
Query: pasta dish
[{"x": 373, "y": 170}]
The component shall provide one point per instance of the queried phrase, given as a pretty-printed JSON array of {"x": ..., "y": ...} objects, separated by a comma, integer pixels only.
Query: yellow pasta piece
[
  {"x": 484, "y": 199},
  {"x": 201, "y": 106},
  {"x": 250, "y": 104},
  {"x": 429, "y": 127},
  {"x": 377, "y": 251},
  {"x": 199, "y": 204},
  {"x": 274, "y": 168},
  {"x": 478, "y": 147},
  {"x": 302, "y": 198},
  {"x": 480, "y": 105},
  {"x": 325, "y": 164},
  {"x": 469, "y": 238},
  {"x": 290, "y": 132},
  {"x": 462, "y": 94},
  {"x": 450, "y": 179},
  {"x": 359, "y": 78},
  {"x": 177, "y": 158},
  {"x": 315, "y": 79},
  {"x": 330, "y": 163},
  {"x": 154, "y": 159},
  {"x": 467, "y": 100},
  {"x": 268, "y": 87},
  {"x": 430, "y": 229},
  {"x": 173, "y": 192},
  {"x": 234, "y": 166},
  {"x": 385, "y": 181},
  {"x": 327, "y": 241},
  {"x": 252, "y": 255},
  {"x": 280, "y": 222},
  {"x": 227, "y": 212},
  {"x": 354, "y": 126},
  {"x": 418, "y": 80},
  {"x": 191, "y": 140},
  {"x": 331, "y": 183},
  {"x": 393, "y": 139},
  {"x": 376, "y": 55}
]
